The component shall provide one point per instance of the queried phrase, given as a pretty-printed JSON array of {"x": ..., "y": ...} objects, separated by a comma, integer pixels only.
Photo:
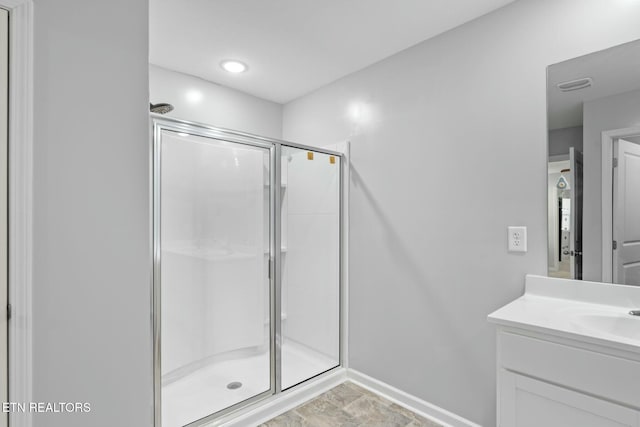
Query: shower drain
[{"x": 234, "y": 385}]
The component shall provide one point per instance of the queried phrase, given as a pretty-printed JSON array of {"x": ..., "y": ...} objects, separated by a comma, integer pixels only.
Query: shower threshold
[{"x": 204, "y": 391}]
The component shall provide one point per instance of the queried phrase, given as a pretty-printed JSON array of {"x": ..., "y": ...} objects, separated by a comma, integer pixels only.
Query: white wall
[
  {"x": 92, "y": 258},
  {"x": 198, "y": 100},
  {"x": 448, "y": 149},
  {"x": 611, "y": 112}
]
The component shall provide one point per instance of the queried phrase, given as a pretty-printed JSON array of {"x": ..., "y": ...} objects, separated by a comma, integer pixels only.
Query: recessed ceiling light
[{"x": 233, "y": 66}]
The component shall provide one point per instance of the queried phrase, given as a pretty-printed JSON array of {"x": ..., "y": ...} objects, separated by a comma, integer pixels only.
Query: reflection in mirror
[{"x": 593, "y": 105}]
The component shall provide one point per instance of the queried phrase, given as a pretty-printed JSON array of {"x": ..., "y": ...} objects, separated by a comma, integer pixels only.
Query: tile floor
[{"x": 349, "y": 405}]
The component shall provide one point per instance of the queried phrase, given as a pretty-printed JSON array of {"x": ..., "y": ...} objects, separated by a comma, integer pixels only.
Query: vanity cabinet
[
  {"x": 544, "y": 380},
  {"x": 568, "y": 355},
  {"x": 527, "y": 402}
]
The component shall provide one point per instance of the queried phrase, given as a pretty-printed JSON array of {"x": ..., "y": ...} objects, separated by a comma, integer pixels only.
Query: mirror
[{"x": 593, "y": 107}]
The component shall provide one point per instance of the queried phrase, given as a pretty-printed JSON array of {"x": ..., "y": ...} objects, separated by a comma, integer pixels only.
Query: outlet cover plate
[{"x": 517, "y": 238}]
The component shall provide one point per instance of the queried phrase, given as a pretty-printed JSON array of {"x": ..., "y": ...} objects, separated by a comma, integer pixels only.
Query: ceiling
[
  {"x": 614, "y": 71},
  {"x": 293, "y": 47}
]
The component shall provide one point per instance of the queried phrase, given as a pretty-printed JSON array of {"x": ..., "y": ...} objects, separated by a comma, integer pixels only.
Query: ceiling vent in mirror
[{"x": 575, "y": 84}]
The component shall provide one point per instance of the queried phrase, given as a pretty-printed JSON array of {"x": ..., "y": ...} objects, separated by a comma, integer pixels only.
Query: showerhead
[{"x": 161, "y": 108}]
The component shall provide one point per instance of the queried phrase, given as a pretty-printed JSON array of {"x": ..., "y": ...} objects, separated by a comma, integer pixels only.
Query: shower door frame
[{"x": 160, "y": 124}]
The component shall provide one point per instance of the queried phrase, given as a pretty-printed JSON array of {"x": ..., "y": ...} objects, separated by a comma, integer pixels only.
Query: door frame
[
  {"x": 20, "y": 209},
  {"x": 608, "y": 138},
  {"x": 576, "y": 157}
]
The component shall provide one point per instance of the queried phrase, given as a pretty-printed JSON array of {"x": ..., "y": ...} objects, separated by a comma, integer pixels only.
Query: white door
[{"x": 626, "y": 213}]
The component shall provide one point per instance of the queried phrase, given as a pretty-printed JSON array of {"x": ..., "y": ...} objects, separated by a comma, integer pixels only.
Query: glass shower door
[
  {"x": 310, "y": 263},
  {"x": 213, "y": 199}
]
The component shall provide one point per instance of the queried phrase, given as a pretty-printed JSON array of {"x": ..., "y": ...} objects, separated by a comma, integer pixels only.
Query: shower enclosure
[{"x": 247, "y": 268}]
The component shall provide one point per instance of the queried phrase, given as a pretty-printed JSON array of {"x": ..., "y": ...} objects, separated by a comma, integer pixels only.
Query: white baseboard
[
  {"x": 420, "y": 407},
  {"x": 287, "y": 400},
  {"x": 276, "y": 405}
]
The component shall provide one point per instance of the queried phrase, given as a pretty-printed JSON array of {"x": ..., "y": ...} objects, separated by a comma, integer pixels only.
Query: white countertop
[{"x": 585, "y": 311}]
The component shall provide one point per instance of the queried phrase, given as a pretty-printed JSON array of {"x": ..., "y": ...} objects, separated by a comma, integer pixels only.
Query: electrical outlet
[{"x": 517, "y": 238}]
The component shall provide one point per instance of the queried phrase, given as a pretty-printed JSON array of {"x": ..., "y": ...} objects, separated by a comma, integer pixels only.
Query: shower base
[{"x": 204, "y": 391}]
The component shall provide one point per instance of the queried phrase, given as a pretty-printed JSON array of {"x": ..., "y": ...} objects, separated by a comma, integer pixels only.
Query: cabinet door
[{"x": 525, "y": 402}]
